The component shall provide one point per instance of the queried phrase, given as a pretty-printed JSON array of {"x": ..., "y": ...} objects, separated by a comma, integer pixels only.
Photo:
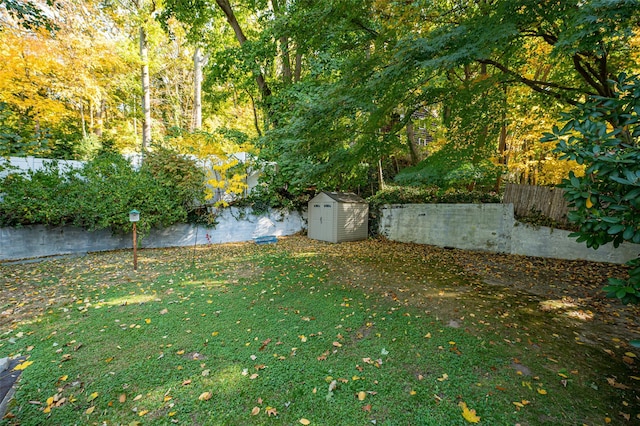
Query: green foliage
[
  {"x": 443, "y": 169},
  {"x": 274, "y": 192},
  {"x": 430, "y": 195},
  {"x": 100, "y": 194},
  {"x": 604, "y": 135}
]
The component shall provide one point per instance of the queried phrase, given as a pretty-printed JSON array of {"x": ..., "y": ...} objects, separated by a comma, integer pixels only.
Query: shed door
[
  {"x": 326, "y": 222},
  {"x": 321, "y": 221},
  {"x": 315, "y": 221}
]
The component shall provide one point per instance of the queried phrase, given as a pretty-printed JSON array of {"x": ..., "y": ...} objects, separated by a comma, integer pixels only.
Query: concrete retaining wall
[
  {"x": 489, "y": 227},
  {"x": 234, "y": 225}
]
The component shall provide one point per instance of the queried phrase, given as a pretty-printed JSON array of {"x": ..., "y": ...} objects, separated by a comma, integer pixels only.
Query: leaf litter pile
[{"x": 305, "y": 332}]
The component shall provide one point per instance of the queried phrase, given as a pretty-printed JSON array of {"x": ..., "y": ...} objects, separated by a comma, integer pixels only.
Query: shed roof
[{"x": 345, "y": 197}]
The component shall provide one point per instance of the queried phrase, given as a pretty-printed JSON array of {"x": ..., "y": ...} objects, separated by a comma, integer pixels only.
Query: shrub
[{"x": 100, "y": 194}]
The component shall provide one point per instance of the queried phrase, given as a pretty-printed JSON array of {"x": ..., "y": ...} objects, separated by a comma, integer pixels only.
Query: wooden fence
[{"x": 530, "y": 199}]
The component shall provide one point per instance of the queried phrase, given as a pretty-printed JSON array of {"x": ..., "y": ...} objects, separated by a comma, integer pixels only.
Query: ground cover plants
[{"x": 304, "y": 332}]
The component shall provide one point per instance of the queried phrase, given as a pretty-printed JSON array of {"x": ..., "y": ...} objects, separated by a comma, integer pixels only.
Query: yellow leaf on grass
[
  {"x": 90, "y": 409},
  {"x": 362, "y": 395},
  {"x": 205, "y": 396},
  {"x": 143, "y": 412},
  {"x": 444, "y": 377},
  {"x": 542, "y": 391},
  {"x": 92, "y": 396},
  {"x": 147, "y": 320},
  {"x": 630, "y": 354},
  {"x": 469, "y": 415},
  {"x": 22, "y": 365},
  {"x": 255, "y": 411},
  {"x": 305, "y": 422}
]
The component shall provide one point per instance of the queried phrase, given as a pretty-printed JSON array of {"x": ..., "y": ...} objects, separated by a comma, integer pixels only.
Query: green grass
[{"x": 273, "y": 327}]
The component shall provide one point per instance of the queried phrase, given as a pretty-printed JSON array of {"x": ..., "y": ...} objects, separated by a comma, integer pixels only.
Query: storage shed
[{"x": 338, "y": 216}]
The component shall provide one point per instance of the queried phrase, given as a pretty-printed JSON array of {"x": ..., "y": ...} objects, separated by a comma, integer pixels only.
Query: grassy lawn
[{"x": 359, "y": 333}]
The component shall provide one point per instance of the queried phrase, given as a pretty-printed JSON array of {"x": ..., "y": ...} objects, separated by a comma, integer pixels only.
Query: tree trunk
[
  {"x": 298, "y": 70},
  {"x": 146, "y": 96},
  {"x": 231, "y": 19},
  {"x": 91, "y": 122},
  {"x": 84, "y": 122},
  {"x": 380, "y": 175},
  {"x": 197, "y": 90},
  {"x": 411, "y": 143},
  {"x": 286, "y": 60},
  {"x": 100, "y": 118}
]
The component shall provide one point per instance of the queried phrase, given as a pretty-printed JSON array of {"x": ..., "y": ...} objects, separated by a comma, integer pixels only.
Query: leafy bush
[
  {"x": 604, "y": 135},
  {"x": 100, "y": 194},
  {"x": 430, "y": 194}
]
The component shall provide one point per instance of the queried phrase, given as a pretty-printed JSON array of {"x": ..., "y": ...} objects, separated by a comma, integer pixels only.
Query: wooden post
[{"x": 135, "y": 248}]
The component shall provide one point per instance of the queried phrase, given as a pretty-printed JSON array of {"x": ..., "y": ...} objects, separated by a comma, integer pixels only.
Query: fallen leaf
[
  {"x": 444, "y": 377},
  {"x": 469, "y": 415},
  {"x": 255, "y": 411},
  {"x": 164, "y": 311},
  {"x": 362, "y": 395},
  {"x": 92, "y": 396},
  {"x": 143, "y": 412},
  {"x": 337, "y": 344},
  {"x": 205, "y": 396},
  {"x": 147, "y": 320},
  {"x": 615, "y": 384},
  {"x": 90, "y": 409},
  {"x": 122, "y": 398},
  {"x": 541, "y": 391},
  {"x": 271, "y": 411},
  {"x": 264, "y": 344},
  {"x": 138, "y": 397},
  {"x": 22, "y": 365},
  {"x": 367, "y": 408},
  {"x": 304, "y": 421}
]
